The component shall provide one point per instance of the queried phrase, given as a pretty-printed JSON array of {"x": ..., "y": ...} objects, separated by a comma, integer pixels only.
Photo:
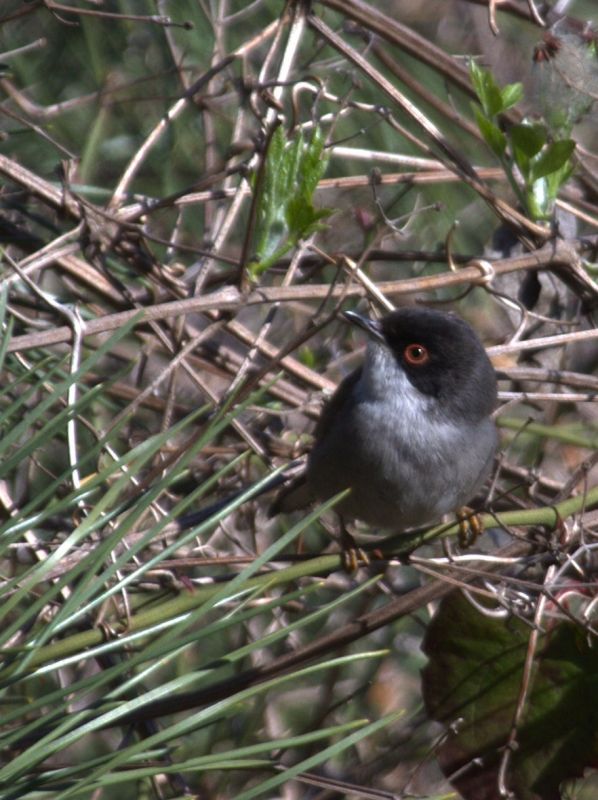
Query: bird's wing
[
  {"x": 298, "y": 494},
  {"x": 333, "y": 406}
]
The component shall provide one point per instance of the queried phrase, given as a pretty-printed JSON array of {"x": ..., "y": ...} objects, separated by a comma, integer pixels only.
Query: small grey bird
[{"x": 409, "y": 432}]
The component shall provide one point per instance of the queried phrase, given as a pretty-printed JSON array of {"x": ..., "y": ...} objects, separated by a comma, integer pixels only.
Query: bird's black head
[{"x": 440, "y": 354}]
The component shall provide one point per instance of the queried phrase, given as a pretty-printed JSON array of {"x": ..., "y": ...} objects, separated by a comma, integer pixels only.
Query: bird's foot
[
  {"x": 353, "y": 556},
  {"x": 470, "y": 526}
]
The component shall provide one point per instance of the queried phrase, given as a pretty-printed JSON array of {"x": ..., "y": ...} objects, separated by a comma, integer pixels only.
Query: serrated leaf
[
  {"x": 475, "y": 673},
  {"x": 552, "y": 159},
  {"x": 301, "y": 215},
  {"x": 313, "y": 163},
  {"x": 493, "y": 136},
  {"x": 286, "y": 211},
  {"x": 277, "y": 172}
]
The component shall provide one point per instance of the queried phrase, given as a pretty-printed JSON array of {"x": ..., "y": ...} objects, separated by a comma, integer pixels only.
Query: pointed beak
[{"x": 372, "y": 327}]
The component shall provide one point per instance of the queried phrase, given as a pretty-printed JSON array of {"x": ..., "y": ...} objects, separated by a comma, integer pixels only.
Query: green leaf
[
  {"x": 475, "y": 75},
  {"x": 558, "y": 178},
  {"x": 528, "y": 139},
  {"x": 313, "y": 162},
  {"x": 301, "y": 216},
  {"x": 487, "y": 90},
  {"x": 511, "y": 94},
  {"x": 286, "y": 212},
  {"x": 539, "y": 202},
  {"x": 279, "y": 174},
  {"x": 475, "y": 673},
  {"x": 308, "y": 357},
  {"x": 526, "y": 142},
  {"x": 493, "y": 136},
  {"x": 555, "y": 156}
]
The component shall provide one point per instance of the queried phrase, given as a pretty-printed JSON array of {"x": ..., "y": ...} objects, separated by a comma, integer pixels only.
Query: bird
[{"x": 409, "y": 432}]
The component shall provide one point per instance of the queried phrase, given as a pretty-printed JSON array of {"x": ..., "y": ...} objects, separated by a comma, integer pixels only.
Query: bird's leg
[
  {"x": 470, "y": 526},
  {"x": 352, "y": 554}
]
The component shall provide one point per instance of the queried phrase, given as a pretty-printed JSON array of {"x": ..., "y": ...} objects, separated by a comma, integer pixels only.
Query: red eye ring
[{"x": 416, "y": 354}]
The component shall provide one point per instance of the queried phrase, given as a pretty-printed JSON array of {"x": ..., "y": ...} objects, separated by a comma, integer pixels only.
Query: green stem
[
  {"x": 395, "y": 546},
  {"x": 549, "y": 432}
]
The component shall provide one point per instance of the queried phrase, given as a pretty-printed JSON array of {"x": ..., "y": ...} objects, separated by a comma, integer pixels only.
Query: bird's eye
[{"x": 416, "y": 354}]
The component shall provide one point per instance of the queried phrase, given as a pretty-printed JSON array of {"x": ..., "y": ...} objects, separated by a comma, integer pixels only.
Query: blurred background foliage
[{"x": 190, "y": 192}]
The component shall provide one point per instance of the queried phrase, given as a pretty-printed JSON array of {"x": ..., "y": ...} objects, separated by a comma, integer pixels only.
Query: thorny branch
[{"x": 169, "y": 254}]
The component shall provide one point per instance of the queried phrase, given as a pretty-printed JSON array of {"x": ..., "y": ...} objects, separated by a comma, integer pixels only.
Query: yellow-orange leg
[
  {"x": 353, "y": 556},
  {"x": 470, "y": 526}
]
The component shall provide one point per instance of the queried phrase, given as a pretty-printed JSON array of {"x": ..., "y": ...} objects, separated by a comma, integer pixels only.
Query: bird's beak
[{"x": 372, "y": 327}]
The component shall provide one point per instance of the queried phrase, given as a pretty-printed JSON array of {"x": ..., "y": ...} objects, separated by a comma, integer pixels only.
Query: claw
[
  {"x": 470, "y": 526},
  {"x": 353, "y": 556}
]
